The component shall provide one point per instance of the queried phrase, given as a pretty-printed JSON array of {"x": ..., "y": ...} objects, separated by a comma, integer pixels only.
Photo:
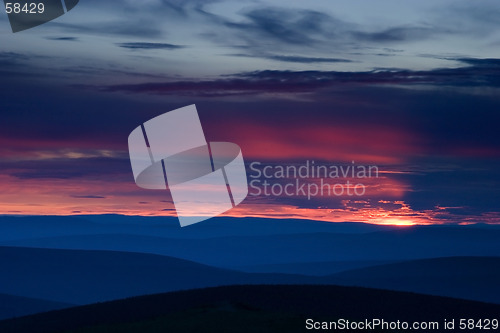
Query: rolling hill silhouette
[
  {"x": 238, "y": 251},
  {"x": 83, "y": 277},
  {"x": 253, "y": 244},
  {"x": 16, "y": 306},
  {"x": 321, "y": 268},
  {"x": 255, "y": 308},
  {"x": 31, "y": 227},
  {"x": 85, "y": 259},
  {"x": 474, "y": 278}
]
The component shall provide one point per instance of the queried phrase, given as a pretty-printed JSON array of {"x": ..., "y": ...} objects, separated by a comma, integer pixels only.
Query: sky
[{"x": 409, "y": 87}]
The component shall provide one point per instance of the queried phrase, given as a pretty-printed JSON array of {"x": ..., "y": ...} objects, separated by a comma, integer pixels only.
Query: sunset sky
[{"x": 411, "y": 87}]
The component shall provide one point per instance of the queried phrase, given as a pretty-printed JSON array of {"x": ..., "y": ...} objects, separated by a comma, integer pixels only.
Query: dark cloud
[
  {"x": 487, "y": 63},
  {"x": 243, "y": 85},
  {"x": 65, "y": 117},
  {"x": 396, "y": 34},
  {"x": 305, "y": 60},
  {"x": 467, "y": 187},
  {"x": 66, "y": 39},
  {"x": 298, "y": 59},
  {"x": 125, "y": 18},
  {"x": 12, "y": 57},
  {"x": 149, "y": 46},
  {"x": 479, "y": 74},
  {"x": 66, "y": 168},
  {"x": 14, "y": 65},
  {"x": 88, "y": 196},
  {"x": 387, "y": 49},
  {"x": 131, "y": 28},
  {"x": 11, "y": 62},
  {"x": 82, "y": 119},
  {"x": 300, "y": 27},
  {"x": 319, "y": 32}
]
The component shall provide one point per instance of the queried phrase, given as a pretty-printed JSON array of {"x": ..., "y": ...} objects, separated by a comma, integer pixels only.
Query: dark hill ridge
[
  {"x": 238, "y": 251},
  {"x": 16, "y": 306},
  {"x": 318, "y": 268},
  {"x": 254, "y": 308},
  {"x": 257, "y": 243},
  {"x": 474, "y": 278},
  {"x": 29, "y": 227},
  {"x": 83, "y": 277}
]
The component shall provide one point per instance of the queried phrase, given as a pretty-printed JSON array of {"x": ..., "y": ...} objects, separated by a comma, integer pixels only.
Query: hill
[
  {"x": 474, "y": 278},
  {"x": 250, "y": 309},
  {"x": 17, "y": 306},
  {"x": 257, "y": 250},
  {"x": 30, "y": 227},
  {"x": 83, "y": 277},
  {"x": 253, "y": 244}
]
